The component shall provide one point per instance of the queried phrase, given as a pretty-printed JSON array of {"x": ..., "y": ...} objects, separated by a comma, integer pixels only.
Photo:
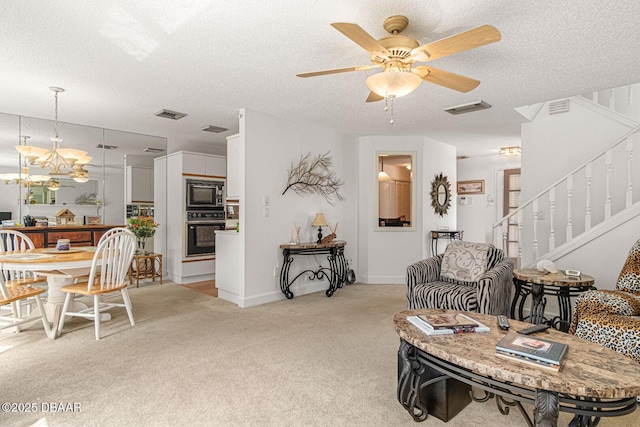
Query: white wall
[
  {"x": 384, "y": 254},
  {"x": 269, "y": 146},
  {"x": 477, "y": 217}
]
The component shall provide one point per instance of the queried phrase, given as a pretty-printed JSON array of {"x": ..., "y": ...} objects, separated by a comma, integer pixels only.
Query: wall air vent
[
  {"x": 168, "y": 114},
  {"x": 468, "y": 108},
  {"x": 152, "y": 150},
  {"x": 557, "y": 107},
  {"x": 106, "y": 147},
  {"x": 214, "y": 129}
]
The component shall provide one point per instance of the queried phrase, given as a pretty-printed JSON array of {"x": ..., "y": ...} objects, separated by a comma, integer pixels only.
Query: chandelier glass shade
[{"x": 393, "y": 84}]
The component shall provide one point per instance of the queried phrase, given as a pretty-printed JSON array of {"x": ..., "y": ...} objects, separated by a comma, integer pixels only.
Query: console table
[
  {"x": 336, "y": 272},
  {"x": 443, "y": 234},
  {"x": 530, "y": 281},
  {"x": 593, "y": 381},
  {"x": 146, "y": 266}
]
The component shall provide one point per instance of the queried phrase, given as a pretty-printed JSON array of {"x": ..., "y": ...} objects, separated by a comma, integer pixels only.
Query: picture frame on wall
[{"x": 470, "y": 187}]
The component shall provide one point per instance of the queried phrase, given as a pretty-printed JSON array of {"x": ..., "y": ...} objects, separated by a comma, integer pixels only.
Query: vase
[{"x": 141, "y": 245}]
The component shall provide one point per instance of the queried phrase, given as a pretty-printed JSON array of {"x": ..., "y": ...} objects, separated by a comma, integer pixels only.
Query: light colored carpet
[{"x": 194, "y": 360}]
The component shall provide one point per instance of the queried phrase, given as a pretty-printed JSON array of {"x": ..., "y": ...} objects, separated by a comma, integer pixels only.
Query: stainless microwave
[{"x": 205, "y": 194}]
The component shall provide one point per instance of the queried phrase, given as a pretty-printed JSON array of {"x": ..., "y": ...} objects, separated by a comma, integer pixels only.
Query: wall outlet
[
  {"x": 275, "y": 271},
  {"x": 538, "y": 215}
]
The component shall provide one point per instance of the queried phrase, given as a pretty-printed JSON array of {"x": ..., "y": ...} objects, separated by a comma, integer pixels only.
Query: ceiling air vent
[
  {"x": 214, "y": 129},
  {"x": 557, "y": 107},
  {"x": 152, "y": 150},
  {"x": 468, "y": 108},
  {"x": 106, "y": 147},
  {"x": 168, "y": 114}
]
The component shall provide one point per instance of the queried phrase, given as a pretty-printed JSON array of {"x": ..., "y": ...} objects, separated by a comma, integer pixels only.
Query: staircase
[{"x": 590, "y": 200}]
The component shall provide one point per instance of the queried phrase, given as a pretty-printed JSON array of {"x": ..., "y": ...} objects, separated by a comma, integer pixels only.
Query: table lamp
[{"x": 319, "y": 222}]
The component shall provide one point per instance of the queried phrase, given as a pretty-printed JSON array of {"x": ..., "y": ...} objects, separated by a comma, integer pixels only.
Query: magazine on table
[
  {"x": 446, "y": 324},
  {"x": 531, "y": 347}
]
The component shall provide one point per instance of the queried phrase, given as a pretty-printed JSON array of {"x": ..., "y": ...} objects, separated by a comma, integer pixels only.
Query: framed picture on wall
[{"x": 470, "y": 187}]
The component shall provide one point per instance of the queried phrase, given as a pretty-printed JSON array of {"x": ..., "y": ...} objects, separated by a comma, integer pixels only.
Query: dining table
[{"x": 60, "y": 267}]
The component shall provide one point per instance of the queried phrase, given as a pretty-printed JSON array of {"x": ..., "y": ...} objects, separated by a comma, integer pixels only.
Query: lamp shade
[
  {"x": 393, "y": 83},
  {"x": 319, "y": 221}
]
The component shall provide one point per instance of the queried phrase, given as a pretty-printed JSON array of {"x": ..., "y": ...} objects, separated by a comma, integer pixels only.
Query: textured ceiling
[{"x": 122, "y": 61}]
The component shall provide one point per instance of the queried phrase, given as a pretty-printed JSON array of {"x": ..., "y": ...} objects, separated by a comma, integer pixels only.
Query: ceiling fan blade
[
  {"x": 373, "y": 97},
  {"x": 360, "y": 37},
  {"x": 337, "y": 70},
  {"x": 476, "y": 37},
  {"x": 446, "y": 79}
]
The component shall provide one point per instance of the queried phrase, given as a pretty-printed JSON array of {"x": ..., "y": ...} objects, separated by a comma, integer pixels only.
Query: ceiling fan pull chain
[{"x": 391, "y": 121}]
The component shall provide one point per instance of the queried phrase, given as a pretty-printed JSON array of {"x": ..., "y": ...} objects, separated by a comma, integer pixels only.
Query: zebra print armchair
[{"x": 469, "y": 276}]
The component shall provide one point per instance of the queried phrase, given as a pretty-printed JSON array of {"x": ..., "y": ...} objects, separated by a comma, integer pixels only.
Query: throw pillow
[
  {"x": 629, "y": 279},
  {"x": 465, "y": 261}
]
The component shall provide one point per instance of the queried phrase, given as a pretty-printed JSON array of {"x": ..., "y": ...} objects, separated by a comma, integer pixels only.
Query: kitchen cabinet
[
  {"x": 203, "y": 165},
  {"x": 139, "y": 186},
  {"x": 233, "y": 167},
  {"x": 171, "y": 213}
]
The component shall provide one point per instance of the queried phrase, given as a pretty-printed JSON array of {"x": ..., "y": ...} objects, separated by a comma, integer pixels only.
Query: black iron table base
[
  {"x": 335, "y": 273},
  {"x": 412, "y": 384},
  {"x": 538, "y": 294}
]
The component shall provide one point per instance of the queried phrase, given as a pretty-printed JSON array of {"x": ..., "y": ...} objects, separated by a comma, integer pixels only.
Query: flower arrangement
[{"x": 142, "y": 226}]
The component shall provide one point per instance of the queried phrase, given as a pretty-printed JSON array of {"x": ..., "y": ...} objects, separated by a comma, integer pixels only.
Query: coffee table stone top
[{"x": 588, "y": 369}]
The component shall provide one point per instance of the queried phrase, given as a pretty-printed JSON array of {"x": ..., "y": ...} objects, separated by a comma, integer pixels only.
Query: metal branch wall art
[{"x": 315, "y": 175}]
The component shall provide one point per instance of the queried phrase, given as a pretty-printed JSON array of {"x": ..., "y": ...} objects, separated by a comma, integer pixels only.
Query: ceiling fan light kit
[{"x": 396, "y": 55}]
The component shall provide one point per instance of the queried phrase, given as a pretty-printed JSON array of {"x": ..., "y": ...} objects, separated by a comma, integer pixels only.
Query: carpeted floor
[{"x": 194, "y": 360}]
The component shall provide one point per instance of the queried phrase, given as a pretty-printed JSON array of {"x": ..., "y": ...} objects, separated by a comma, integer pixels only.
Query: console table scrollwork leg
[
  {"x": 284, "y": 274},
  {"x": 547, "y": 407},
  {"x": 538, "y": 303}
]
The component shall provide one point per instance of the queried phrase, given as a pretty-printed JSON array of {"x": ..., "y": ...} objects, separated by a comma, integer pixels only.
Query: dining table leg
[{"x": 55, "y": 298}]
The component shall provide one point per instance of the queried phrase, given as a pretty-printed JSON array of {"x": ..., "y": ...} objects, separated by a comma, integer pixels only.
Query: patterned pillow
[
  {"x": 465, "y": 261},
  {"x": 629, "y": 279}
]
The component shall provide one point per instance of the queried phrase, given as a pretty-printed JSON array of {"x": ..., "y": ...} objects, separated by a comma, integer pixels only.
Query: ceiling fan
[{"x": 397, "y": 55}]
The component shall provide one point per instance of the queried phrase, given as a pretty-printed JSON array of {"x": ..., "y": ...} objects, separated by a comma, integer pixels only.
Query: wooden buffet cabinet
[{"x": 79, "y": 235}]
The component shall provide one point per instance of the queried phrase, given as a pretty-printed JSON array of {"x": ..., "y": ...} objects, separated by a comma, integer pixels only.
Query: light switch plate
[{"x": 266, "y": 201}]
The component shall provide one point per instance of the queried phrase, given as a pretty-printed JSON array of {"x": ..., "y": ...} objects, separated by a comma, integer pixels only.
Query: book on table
[
  {"x": 540, "y": 351},
  {"x": 446, "y": 323}
]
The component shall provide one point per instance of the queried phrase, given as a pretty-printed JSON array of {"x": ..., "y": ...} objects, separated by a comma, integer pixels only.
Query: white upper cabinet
[
  {"x": 139, "y": 184},
  {"x": 204, "y": 164}
]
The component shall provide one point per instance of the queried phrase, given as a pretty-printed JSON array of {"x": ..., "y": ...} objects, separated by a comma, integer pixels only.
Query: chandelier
[
  {"x": 23, "y": 178},
  {"x": 59, "y": 159}
]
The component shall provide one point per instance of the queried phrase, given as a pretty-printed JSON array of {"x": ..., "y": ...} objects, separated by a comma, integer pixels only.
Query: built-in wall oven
[
  {"x": 201, "y": 231},
  {"x": 205, "y": 194}
]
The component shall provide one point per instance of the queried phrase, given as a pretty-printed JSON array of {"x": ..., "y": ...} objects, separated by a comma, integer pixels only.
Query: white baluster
[
  {"x": 535, "y": 229},
  {"x": 569, "y": 211},
  {"x": 587, "y": 216},
  {"x": 607, "y": 203},
  {"x": 552, "y": 208},
  {"x": 519, "y": 238},
  {"x": 504, "y": 225},
  {"x": 629, "y": 183},
  {"x": 612, "y": 99}
]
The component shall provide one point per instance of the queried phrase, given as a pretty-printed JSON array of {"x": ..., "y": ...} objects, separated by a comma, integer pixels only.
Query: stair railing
[{"x": 559, "y": 198}]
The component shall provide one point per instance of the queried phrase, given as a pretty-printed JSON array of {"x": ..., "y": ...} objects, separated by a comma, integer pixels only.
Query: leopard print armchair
[{"x": 612, "y": 318}]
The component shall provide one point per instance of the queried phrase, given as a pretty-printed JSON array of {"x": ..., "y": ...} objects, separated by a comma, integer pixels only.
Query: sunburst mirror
[{"x": 440, "y": 194}]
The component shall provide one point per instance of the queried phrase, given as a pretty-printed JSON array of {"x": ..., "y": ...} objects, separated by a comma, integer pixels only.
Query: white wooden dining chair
[
  {"x": 10, "y": 296},
  {"x": 11, "y": 240},
  {"x": 112, "y": 258}
]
